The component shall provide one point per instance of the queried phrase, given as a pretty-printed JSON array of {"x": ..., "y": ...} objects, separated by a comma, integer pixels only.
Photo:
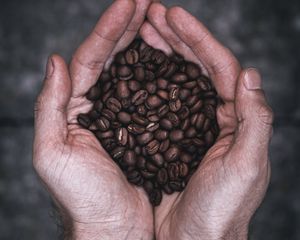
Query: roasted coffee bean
[
  {"x": 198, "y": 142},
  {"x": 114, "y": 105},
  {"x": 153, "y": 101},
  {"x": 98, "y": 105},
  {"x": 179, "y": 78},
  {"x": 138, "y": 119},
  {"x": 107, "y": 95},
  {"x": 116, "y": 125},
  {"x": 162, "y": 68},
  {"x": 122, "y": 89},
  {"x": 145, "y": 138},
  {"x": 152, "y": 147},
  {"x": 93, "y": 114},
  {"x": 133, "y": 176},
  {"x": 167, "y": 189},
  {"x": 173, "y": 118},
  {"x": 139, "y": 73},
  {"x": 190, "y": 133},
  {"x": 151, "y": 87},
  {"x": 93, "y": 94},
  {"x": 194, "y": 118},
  {"x": 147, "y": 175},
  {"x": 141, "y": 162},
  {"x": 197, "y": 106},
  {"x": 164, "y": 146},
  {"x": 206, "y": 125},
  {"x": 158, "y": 159},
  {"x": 103, "y": 123},
  {"x": 107, "y": 86},
  {"x": 172, "y": 68},
  {"x": 163, "y": 110},
  {"x": 134, "y": 85},
  {"x": 176, "y": 135},
  {"x": 118, "y": 152},
  {"x": 151, "y": 127},
  {"x": 162, "y": 83},
  {"x": 132, "y": 56},
  {"x": 146, "y": 54},
  {"x": 185, "y": 157},
  {"x": 190, "y": 85},
  {"x": 211, "y": 101},
  {"x": 184, "y": 94},
  {"x": 129, "y": 158},
  {"x": 136, "y": 129},
  {"x": 163, "y": 94},
  {"x": 139, "y": 97},
  {"x": 84, "y": 120},
  {"x": 104, "y": 77},
  {"x": 155, "y": 197},
  {"x": 103, "y": 135},
  {"x": 204, "y": 84},
  {"x": 174, "y": 94},
  {"x": 200, "y": 121},
  {"x": 158, "y": 57},
  {"x": 196, "y": 91},
  {"x": 192, "y": 70},
  {"x": 148, "y": 186},
  {"x": 162, "y": 176},
  {"x": 191, "y": 100},
  {"x": 209, "y": 111},
  {"x": 173, "y": 171},
  {"x": 184, "y": 125},
  {"x": 183, "y": 112},
  {"x": 120, "y": 58},
  {"x": 131, "y": 141},
  {"x": 109, "y": 144},
  {"x": 166, "y": 124},
  {"x": 175, "y": 106},
  {"x": 183, "y": 170},
  {"x": 150, "y": 66},
  {"x": 153, "y": 118},
  {"x": 122, "y": 136},
  {"x": 141, "y": 109},
  {"x": 151, "y": 167},
  {"x": 172, "y": 154},
  {"x": 175, "y": 186},
  {"x": 124, "y": 117},
  {"x": 149, "y": 75},
  {"x": 161, "y": 135},
  {"x": 209, "y": 138},
  {"x": 113, "y": 70},
  {"x": 124, "y": 73}
]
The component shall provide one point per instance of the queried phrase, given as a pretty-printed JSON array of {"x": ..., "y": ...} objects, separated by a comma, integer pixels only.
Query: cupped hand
[
  {"x": 232, "y": 179},
  {"x": 89, "y": 188}
]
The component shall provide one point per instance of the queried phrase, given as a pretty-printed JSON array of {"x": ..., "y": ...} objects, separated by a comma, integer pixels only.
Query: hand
[
  {"x": 232, "y": 179},
  {"x": 89, "y": 188}
]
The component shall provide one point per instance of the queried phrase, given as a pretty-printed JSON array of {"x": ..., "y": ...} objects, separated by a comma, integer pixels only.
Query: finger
[
  {"x": 153, "y": 38},
  {"x": 132, "y": 29},
  {"x": 89, "y": 59},
  {"x": 157, "y": 17},
  {"x": 255, "y": 117},
  {"x": 221, "y": 65},
  {"x": 50, "y": 108}
]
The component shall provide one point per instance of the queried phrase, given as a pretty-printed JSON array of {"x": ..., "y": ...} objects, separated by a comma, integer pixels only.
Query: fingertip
[
  {"x": 252, "y": 79},
  {"x": 174, "y": 14}
]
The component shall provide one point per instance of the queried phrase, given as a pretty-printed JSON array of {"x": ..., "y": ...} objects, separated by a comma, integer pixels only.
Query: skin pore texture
[{"x": 89, "y": 187}]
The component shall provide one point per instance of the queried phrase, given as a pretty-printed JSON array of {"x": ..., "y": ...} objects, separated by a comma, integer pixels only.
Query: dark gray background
[{"x": 264, "y": 34}]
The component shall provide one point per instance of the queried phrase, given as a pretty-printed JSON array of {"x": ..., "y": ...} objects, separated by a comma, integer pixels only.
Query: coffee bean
[
  {"x": 151, "y": 127},
  {"x": 200, "y": 121},
  {"x": 124, "y": 73},
  {"x": 109, "y": 144},
  {"x": 163, "y": 94},
  {"x": 151, "y": 167},
  {"x": 153, "y": 101},
  {"x": 161, "y": 135},
  {"x": 158, "y": 57},
  {"x": 116, "y": 125},
  {"x": 162, "y": 176},
  {"x": 184, "y": 125},
  {"x": 155, "y": 197},
  {"x": 145, "y": 138},
  {"x": 173, "y": 118},
  {"x": 84, "y": 120},
  {"x": 172, "y": 154},
  {"x": 175, "y": 106},
  {"x": 132, "y": 56},
  {"x": 162, "y": 83},
  {"x": 103, "y": 123},
  {"x": 209, "y": 138},
  {"x": 147, "y": 175},
  {"x": 93, "y": 94},
  {"x": 133, "y": 176},
  {"x": 185, "y": 157},
  {"x": 148, "y": 186},
  {"x": 134, "y": 85},
  {"x": 154, "y": 118},
  {"x": 124, "y": 117},
  {"x": 138, "y": 119},
  {"x": 184, "y": 94},
  {"x": 167, "y": 189},
  {"x": 135, "y": 129},
  {"x": 211, "y": 101},
  {"x": 197, "y": 106},
  {"x": 179, "y": 78},
  {"x": 175, "y": 186},
  {"x": 163, "y": 110},
  {"x": 139, "y": 73},
  {"x": 194, "y": 118},
  {"x": 191, "y": 100},
  {"x": 152, "y": 147},
  {"x": 174, "y": 93},
  {"x": 150, "y": 66},
  {"x": 176, "y": 135},
  {"x": 120, "y": 59},
  {"x": 141, "y": 109},
  {"x": 98, "y": 105},
  {"x": 183, "y": 170},
  {"x": 114, "y": 105},
  {"x": 209, "y": 111},
  {"x": 118, "y": 152},
  {"x": 145, "y": 54},
  {"x": 203, "y": 83},
  {"x": 206, "y": 125},
  {"x": 192, "y": 70},
  {"x": 172, "y": 68},
  {"x": 198, "y": 142},
  {"x": 129, "y": 158},
  {"x": 173, "y": 171},
  {"x": 190, "y": 85},
  {"x": 122, "y": 136},
  {"x": 104, "y": 77},
  {"x": 151, "y": 87},
  {"x": 141, "y": 162},
  {"x": 107, "y": 86},
  {"x": 122, "y": 89},
  {"x": 177, "y": 58},
  {"x": 184, "y": 112},
  {"x": 158, "y": 159},
  {"x": 113, "y": 70},
  {"x": 162, "y": 68},
  {"x": 166, "y": 124},
  {"x": 139, "y": 97},
  {"x": 196, "y": 91},
  {"x": 164, "y": 146},
  {"x": 149, "y": 76},
  {"x": 108, "y": 114},
  {"x": 190, "y": 133},
  {"x": 131, "y": 141},
  {"x": 106, "y": 134}
]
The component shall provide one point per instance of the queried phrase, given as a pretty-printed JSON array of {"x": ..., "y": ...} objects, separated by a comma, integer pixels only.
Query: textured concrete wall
[{"x": 264, "y": 34}]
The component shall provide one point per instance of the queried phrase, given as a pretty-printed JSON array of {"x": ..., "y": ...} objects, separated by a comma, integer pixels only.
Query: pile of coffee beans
[{"x": 156, "y": 117}]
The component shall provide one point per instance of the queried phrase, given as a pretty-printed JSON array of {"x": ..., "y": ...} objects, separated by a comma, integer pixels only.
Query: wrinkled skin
[{"x": 89, "y": 187}]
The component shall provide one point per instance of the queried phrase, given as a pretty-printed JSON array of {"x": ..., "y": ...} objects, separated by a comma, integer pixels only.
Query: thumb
[
  {"x": 50, "y": 107},
  {"x": 255, "y": 119}
]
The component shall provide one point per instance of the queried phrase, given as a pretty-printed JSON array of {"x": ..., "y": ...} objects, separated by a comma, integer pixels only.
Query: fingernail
[
  {"x": 50, "y": 67},
  {"x": 252, "y": 80}
]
